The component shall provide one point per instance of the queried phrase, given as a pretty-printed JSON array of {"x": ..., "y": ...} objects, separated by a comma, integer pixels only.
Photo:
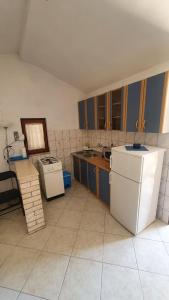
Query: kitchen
[{"x": 98, "y": 230}]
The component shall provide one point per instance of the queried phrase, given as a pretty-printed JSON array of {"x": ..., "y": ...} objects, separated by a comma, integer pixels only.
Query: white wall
[
  {"x": 28, "y": 91},
  {"x": 135, "y": 77}
]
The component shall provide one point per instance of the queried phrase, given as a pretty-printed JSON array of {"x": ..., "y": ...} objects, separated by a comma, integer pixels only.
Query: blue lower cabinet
[
  {"x": 83, "y": 171},
  {"x": 92, "y": 178},
  {"x": 104, "y": 187},
  {"x": 76, "y": 168}
]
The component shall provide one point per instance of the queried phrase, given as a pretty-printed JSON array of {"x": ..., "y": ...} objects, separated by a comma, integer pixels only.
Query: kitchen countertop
[
  {"x": 25, "y": 170},
  {"x": 98, "y": 161}
]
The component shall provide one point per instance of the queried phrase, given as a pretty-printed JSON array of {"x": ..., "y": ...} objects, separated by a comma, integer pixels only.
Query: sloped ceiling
[
  {"x": 12, "y": 14},
  {"x": 92, "y": 43}
]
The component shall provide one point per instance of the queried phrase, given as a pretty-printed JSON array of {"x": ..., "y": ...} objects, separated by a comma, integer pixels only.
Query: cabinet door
[
  {"x": 91, "y": 113},
  {"x": 133, "y": 106},
  {"x": 153, "y": 103},
  {"x": 92, "y": 178},
  {"x": 104, "y": 187},
  {"x": 101, "y": 112},
  {"x": 76, "y": 168},
  {"x": 116, "y": 101},
  {"x": 82, "y": 118},
  {"x": 83, "y": 171}
]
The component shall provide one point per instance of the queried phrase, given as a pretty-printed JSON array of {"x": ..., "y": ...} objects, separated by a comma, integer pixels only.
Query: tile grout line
[
  {"x": 33, "y": 267},
  {"x": 102, "y": 256},
  {"x": 69, "y": 259},
  {"x": 138, "y": 269},
  {"x": 32, "y": 296}
]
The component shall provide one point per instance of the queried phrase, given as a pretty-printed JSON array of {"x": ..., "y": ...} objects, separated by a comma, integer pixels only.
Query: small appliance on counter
[
  {"x": 106, "y": 153},
  {"x": 51, "y": 176}
]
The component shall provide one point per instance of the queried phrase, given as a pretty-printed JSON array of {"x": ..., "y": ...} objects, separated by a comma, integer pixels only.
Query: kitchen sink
[{"x": 89, "y": 153}]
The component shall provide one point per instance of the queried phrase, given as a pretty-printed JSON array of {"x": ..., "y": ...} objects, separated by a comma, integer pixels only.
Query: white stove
[{"x": 51, "y": 176}]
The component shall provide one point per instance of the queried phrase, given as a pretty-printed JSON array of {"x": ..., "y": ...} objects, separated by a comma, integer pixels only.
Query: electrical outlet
[{"x": 16, "y": 136}]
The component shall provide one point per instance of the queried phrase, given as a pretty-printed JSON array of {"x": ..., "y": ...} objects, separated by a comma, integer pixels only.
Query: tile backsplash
[{"x": 63, "y": 142}]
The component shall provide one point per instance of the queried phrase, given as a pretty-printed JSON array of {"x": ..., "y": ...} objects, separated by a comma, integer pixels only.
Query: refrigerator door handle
[
  {"x": 110, "y": 161},
  {"x": 110, "y": 178}
]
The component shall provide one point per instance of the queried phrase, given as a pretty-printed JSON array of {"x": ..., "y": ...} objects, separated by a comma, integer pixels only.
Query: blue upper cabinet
[
  {"x": 140, "y": 106},
  {"x": 104, "y": 187},
  {"x": 154, "y": 87},
  {"x": 133, "y": 106},
  {"x": 82, "y": 114},
  {"x": 102, "y": 111},
  {"x": 116, "y": 110},
  {"x": 91, "y": 113}
]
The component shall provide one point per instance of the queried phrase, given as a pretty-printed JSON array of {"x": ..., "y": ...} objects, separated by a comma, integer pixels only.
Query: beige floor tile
[
  {"x": 164, "y": 233},
  {"x": 17, "y": 267},
  {"x": 120, "y": 283},
  {"x": 151, "y": 256},
  {"x": 11, "y": 232},
  {"x": 119, "y": 250},
  {"x": 82, "y": 281},
  {"x": 167, "y": 247},
  {"x": 75, "y": 203},
  {"x": 6, "y": 294},
  {"x": 81, "y": 192},
  {"x": 89, "y": 245},
  {"x": 113, "y": 227},
  {"x": 58, "y": 203},
  {"x": 151, "y": 232},
  {"x": 23, "y": 296},
  {"x": 93, "y": 221},
  {"x": 96, "y": 205},
  {"x": 47, "y": 276},
  {"x": 36, "y": 240},
  {"x": 155, "y": 286},
  {"x": 70, "y": 219},
  {"x": 52, "y": 215},
  {"x": 61, "y": 240},
  {"x": 5, "y": 251},
  {"x": 16, "y": 215}
]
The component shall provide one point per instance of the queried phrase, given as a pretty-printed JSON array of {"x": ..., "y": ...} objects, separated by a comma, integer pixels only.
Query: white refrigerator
[{"x": 134, "y": 186}]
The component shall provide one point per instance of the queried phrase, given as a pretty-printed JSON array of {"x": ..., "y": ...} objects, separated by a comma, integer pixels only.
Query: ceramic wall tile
[
  {"x": 139, "y": 137},
  {"x": 130, "y": 137},
  {"x": 163, "y": 140},
  {"x": 165, "y": 216},
  {"x": 151, "y": 139},
  {"x": 64, "y": 142},
  {"x": 166, "y": 202}
]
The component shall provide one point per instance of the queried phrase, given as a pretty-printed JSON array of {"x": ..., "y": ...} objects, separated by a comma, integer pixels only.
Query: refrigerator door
[
  {"x": 129, "y": 166},
  {"x": 124, "y": 201}
]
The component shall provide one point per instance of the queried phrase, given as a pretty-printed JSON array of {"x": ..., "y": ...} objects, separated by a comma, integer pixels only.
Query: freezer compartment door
[
  {"x": 124, "y": 201},
  {"x": 127, "y": 165}
]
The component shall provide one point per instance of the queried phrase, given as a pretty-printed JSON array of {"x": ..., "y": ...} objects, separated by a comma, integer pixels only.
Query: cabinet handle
[{"x": 137, "y": 124}]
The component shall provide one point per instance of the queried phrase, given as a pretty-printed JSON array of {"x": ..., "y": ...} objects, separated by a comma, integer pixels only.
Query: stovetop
[{"x": 49, "y": 160}]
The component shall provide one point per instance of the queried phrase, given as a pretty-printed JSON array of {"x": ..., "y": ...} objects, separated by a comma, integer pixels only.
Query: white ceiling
[
  {"x": 89, "y": 43},
  {"x": 12, "y": 14}
]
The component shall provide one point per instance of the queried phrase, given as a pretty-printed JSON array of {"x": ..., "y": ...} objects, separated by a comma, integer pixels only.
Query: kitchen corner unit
[{"x": 93, "y": 172}]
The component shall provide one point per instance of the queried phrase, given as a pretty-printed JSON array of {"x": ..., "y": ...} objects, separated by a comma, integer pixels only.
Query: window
[{"x": 35, "y": 132}]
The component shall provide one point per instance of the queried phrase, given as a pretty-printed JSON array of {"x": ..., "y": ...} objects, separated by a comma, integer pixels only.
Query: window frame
[{"x": 24, "y": 122}]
